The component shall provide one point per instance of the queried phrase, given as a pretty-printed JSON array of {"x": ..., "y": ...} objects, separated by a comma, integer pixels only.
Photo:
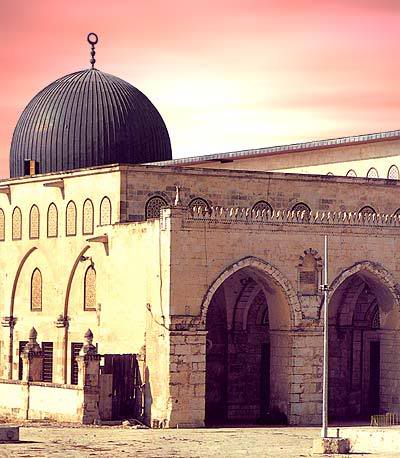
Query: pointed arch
[
  {"x": 90, "y": 289},
  {"x": 376, "y": 273},
  {"x": 36, "y": 291},
  {"x": 87, "y": 217},
  {"x": 16, "y": 224},
  {"x": 70, "y": 218},
  {"x": 105, "y": 211},
  {"x": 34, "y": 222},
  {"x": 52, "y": 221},
  {"x": 393, "y": 173},
  {"x": 372, "y": 173},
  {"x": 262, "y": 267}
]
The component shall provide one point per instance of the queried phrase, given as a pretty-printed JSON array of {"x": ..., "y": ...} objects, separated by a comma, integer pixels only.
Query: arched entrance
[
  {"x": 363, "y": 365},
  {"x": 248, "y": 318}
]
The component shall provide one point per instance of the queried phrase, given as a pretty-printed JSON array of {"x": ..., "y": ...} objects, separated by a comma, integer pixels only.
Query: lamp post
[{"x": 325, "y": 375}]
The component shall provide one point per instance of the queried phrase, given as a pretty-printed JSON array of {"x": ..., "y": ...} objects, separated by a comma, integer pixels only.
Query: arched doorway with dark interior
[
  {"x": 248, "y": 350},
  {"x": 364, "y": 368}
]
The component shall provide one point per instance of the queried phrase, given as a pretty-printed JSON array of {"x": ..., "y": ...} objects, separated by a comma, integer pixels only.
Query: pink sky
[{"x": 225, "y": 74}]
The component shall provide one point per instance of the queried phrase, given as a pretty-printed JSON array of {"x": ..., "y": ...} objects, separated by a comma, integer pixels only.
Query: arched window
[
  {"x": 372, "y": 173},
  {"x": 88, "y": 217},
  {"x": 199, "y": 204},
  {"x": 153, "y": 207},
  {"x": 90, "y": 289},
  {"x": 16, "y": 224},
  {"x": 367, "y": 210},
  {"x": 105, "y": 211},
  {"x": 52, "y": 221},
  {"x": 2, "y": 225},
  {"x": 393, "y": 173},
  {"x": 261, "y": 206},
  {"x": 330, "y": 174},
  {"x": 300, "y": 208},
  {"x": 34, "y": 222},
  {"x": 70, "y": 218},
  {"x": 351, "y": 173},
  {"x": 36, "y": 290}
]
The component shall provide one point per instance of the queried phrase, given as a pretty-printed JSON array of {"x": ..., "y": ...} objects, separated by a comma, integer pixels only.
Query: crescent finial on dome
[{"x": 92, "y": 39}]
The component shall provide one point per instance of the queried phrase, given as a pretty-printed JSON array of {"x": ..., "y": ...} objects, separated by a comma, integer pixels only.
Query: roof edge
[{"x": 280, "y": 149}]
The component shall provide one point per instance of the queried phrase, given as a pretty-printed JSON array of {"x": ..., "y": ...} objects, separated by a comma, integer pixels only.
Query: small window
[
  {"x": 199, "y": 204},
  {"x": 302, "y": 208},
  {"x": 330, "y": 174},
  {"x": 17, "y": 224},
  {"x": 105, "y": 211},
  {"x": 351, "y": 173},
  {"x": 34, "y": 223},
  {"x": 261, "y": 206},
  {"x": 70, "y": 219},
  {"x": 52, "y": 221},
  {"x": 90, "y": 289},
  {"x": 393, "y": 173},
  {"x": 367, "y": 210},
  {"x": 88, "y": 218},
  {"x": 153, "y": 207},
  {"x": 2, "y": 226},
  {"x": 36, "y": 291},
  {"x": 372, "y": 173}
]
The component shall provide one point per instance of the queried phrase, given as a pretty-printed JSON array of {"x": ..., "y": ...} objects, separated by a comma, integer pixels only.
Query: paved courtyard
[{"x": 38, "y": 440}]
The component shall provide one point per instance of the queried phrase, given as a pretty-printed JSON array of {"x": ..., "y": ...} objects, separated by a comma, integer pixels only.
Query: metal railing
[{"x": 388, "y": 419}]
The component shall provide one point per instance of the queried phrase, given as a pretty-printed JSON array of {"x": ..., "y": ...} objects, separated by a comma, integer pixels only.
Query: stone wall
[{"x": 41, "y": 401}]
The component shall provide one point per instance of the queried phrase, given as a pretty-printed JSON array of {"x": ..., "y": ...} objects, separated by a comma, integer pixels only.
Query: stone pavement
[{"x": 40, "y": 440}]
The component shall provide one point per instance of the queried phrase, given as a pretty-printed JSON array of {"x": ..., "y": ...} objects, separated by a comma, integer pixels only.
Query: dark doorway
[
  {"x": 374, "y": 377},
  {"x": 126, "y": 385},
  {"x": 238, "y": 357}
]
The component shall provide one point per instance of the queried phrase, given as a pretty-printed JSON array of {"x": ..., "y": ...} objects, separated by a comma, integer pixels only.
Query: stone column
[
  {"x": 32, "y": 359},
  {"x": 8, "y": 323},
  {"x": 88, "y": 379},
  {"x": 61, "y": 350}
]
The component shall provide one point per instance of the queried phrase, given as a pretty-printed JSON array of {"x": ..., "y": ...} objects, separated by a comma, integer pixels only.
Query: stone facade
[{"x": 220, "y": 301}]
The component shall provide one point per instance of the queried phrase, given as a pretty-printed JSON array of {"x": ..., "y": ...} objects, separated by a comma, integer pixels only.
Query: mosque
[{"x": 198, "y": 278}]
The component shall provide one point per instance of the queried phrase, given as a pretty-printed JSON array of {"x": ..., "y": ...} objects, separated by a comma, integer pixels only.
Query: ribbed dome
[{"x": 85, "y": 119}]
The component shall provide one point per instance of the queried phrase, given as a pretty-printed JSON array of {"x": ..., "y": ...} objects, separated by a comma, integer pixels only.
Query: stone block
[
  {"x": 331, "y": 445},
  {"x": 9, "y": 433}
]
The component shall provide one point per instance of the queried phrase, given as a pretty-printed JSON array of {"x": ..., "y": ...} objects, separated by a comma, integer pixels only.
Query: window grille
[
  {"x": 2, "y": 225},
  {"x": 47, "y": 348},
  {"x": 393, "y": 173},
  {"x": 372, "y": 173},
  {"x": 52, "y": 221},
  {"x": 17, "y": 224},
  {"x": 36, "y": 290},
  {"x": 90, "y": 289},
  {"x": 105, "y": 211},
  {"x": 153, "y": 207},
  {"x": 261, "y": 206},
  {"x": 88, "y": 217},
  {"x": 34, "y": 222},
  {"x": 70, "y": 219}
]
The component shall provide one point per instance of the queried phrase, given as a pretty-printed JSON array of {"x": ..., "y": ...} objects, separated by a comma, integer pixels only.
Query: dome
[{"x": 85, "y": 119}]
